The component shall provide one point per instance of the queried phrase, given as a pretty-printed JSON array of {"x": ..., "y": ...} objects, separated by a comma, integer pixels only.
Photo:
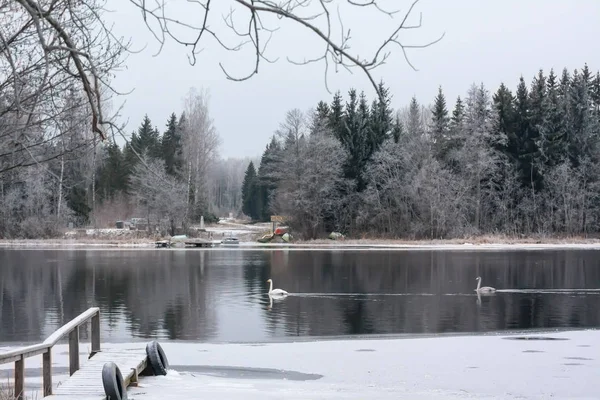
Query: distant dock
[{"x": 187, "y": 242}]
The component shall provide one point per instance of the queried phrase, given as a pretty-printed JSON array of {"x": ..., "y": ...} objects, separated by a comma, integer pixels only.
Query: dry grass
[
  {"x": 7, "y": 393},
  {"x": 130, "y": 239},
  {"x": 483, "y": 239}
]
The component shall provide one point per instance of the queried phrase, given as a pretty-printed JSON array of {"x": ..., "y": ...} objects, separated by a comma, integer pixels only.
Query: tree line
[
  {"x": 170, "y": 179},
  {"x": 513, "y": 163}
]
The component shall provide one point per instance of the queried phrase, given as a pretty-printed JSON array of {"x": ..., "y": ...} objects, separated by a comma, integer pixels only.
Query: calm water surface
[{"x": 220, "y": 294}]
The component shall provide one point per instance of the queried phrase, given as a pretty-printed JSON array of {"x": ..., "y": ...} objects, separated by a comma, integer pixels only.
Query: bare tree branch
[{"x": 317, "y": 21}]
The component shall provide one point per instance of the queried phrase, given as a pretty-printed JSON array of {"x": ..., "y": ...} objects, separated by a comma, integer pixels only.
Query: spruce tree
[
  {"x": 457, "y": 118},
  {"x": 269, "y": 173},
  {"x": 440, "y": 125},
  {"x": 144, "y": 142},
  {"x": 319, "y": 124},
  {"x": 172, "y": 147},
  {"x": 552, "y": 131},
  {"x": 537, "y": 103},
  {"x": 381, "y": 118},
  {"x": 250, "y": 193},
  {"x": 525, "y": 144},
  {"x": 505, "y": 123},
  {"x": 147, "y": 139},
  {"x": 336, "y": 116},
  {"x": 595, "y": 94},
  {"x": 584, "y": 127},
  {"x": 397, "y": 129},
  {"x": 415, "y": 119},
  {"x": 355, "y": 137},
  {"x": 455, "y": 134}
]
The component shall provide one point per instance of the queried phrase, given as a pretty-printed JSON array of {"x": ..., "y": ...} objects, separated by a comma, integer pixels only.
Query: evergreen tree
[
  {"x": 77, "y": 201},
  {"x": 537, "y": 103},
  {"x": 415, "y": 119},
  {"x": 322, "y": 111},
  {"x": 440, "y": 125},
  {"x": 397, "y": 129},
  {"x": 381, "y": 119},
  {"x": 552, "y": 130},
  {"x": 251, "y": 193},
  {"x": 526, "y": 149},
  {"x": 147, "y": 139},
  {"x": 144, "y": 142},
  {"x": 457, "y": 118},
  {"x": 320, "y": 122},
  {"x": 172, "y": 147},
  {"x": 505, "y": 123},
  {"x": 113, "y": 175},
  {"x": 269, "y": 173},
  {"x": 595, "y": 94},
  {"x": 584, "y": 127},
  {"x": 564, "y": 106},
  {"x": 455, "y": 134},
  {"x": 355, "y": 137},
  {"x": 336, "y": 116}
]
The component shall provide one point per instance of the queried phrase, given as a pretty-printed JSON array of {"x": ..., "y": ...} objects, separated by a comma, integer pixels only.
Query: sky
[{"x": 485, "y": 42}]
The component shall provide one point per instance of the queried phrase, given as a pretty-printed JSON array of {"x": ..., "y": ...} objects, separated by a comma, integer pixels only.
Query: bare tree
[
  {"x": 201, "y": 142},
  {"x": 259, "y": 21},
  {"x": 162, "y": 198},
  {"x": 48, "y": 47}
]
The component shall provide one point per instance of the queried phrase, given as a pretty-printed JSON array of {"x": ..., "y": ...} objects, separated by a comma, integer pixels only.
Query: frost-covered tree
[{"x": 161, "y": 199}]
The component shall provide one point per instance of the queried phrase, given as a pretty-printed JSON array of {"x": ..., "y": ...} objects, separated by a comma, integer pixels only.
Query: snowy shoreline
[
  {"x": 347, "y": 245},
  {"x": 502, "y": 366}
]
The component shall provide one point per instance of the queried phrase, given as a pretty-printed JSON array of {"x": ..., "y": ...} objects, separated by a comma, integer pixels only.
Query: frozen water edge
[{"x": 458, "y": 367}]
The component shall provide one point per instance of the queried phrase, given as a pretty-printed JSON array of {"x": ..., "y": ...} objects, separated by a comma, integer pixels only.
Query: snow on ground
[{"x": 558, "y": 365}]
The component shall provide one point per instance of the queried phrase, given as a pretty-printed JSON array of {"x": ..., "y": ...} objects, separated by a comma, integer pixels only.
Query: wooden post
[
  {"x": 74, "y": 351},
  {"x": 47, "y": 372},
  {"x": 134, "y": 378},
  {"x": 95, "y": 333},
  {"x": 19, "y": 378}
]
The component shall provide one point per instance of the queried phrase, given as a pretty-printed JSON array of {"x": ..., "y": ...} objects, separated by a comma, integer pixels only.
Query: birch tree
[{"x": 201, "y": 142}]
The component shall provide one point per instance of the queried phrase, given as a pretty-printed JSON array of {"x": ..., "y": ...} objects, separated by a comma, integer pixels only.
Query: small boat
[{"x": 230, "y": 241}]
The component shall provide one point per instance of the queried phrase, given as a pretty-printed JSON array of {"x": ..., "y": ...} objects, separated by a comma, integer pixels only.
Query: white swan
[
  {"x": 485, "y": 289},
  {"x": 276, "y": 292}
]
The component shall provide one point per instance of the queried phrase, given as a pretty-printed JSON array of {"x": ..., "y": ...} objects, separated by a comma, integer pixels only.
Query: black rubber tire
[
  {"x": 157, "y": 358},
  {"x": 112, "y": 380}
]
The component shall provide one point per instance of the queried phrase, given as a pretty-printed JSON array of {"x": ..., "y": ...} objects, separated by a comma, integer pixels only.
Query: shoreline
[{"x": 474, "y": 244}]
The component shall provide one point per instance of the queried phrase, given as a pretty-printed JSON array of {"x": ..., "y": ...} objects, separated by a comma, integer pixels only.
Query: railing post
[
  {"x": 19, "y": 378},
  {"x": 74, "y": 351},
  {"x": 95, "y": 333},
  {"x": 47, "y": 372}
]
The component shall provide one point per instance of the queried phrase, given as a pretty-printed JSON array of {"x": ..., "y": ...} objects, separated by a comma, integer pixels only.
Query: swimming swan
[
  {"x": 485, "y": 289},
  {"x": 276, "y": 292}
]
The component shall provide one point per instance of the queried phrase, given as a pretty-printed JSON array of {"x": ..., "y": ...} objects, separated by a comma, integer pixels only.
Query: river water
[{"x": 220, "y": 295}]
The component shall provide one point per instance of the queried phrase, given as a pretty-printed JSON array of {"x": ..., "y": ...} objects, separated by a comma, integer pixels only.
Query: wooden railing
[{"x": 18, "y": 356}]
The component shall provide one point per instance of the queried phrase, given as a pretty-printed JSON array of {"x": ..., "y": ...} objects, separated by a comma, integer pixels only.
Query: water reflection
[{"x": 221, "y": 295}]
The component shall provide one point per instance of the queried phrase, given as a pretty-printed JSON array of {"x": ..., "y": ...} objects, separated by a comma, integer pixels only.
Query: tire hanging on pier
[
  {"x": 112, "y": 380},
  {"x": 157, "y": 358}
]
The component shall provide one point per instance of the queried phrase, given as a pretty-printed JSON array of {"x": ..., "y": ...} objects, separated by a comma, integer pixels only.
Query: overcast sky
[{"x": 485, "y": 41}]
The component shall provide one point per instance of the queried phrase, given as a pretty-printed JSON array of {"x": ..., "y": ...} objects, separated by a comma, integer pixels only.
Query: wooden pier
[
  {"x": 188, "y": 242},
  {"x": 86, "y": 382}
]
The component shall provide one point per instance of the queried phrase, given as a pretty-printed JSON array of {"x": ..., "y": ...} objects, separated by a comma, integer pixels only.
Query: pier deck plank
[{"x": 86, "y": 383}]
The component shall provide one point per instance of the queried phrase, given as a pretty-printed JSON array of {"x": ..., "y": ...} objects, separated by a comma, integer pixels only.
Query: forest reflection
[{"x": 220, "y": 295}]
